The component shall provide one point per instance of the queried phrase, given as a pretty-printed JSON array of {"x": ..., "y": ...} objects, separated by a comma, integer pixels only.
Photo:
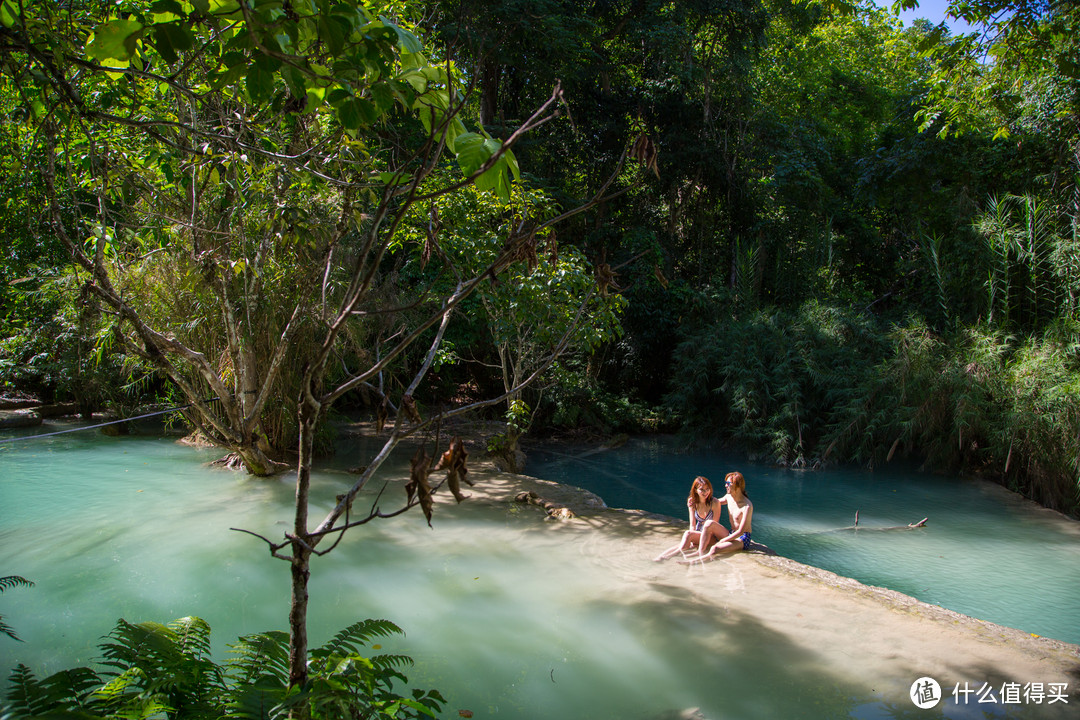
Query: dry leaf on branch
[{"x": 453, "y": 461}]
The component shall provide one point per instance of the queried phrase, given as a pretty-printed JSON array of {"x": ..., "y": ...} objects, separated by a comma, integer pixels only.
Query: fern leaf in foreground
[{"x": 357, "y": 635}]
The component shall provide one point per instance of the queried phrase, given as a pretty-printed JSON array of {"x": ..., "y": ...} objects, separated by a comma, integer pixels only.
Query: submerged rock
[{"x": 554, "y": 511}]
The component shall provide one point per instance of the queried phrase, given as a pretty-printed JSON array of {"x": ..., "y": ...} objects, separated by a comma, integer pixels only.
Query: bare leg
[
  {"x": 710, "y": 533},
  {"x": 733, "y": 544},
  {"x": 689, "y": 539}
]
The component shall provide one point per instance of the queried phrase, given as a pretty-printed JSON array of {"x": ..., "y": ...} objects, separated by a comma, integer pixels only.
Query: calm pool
[{"x": 984, "y": 552}]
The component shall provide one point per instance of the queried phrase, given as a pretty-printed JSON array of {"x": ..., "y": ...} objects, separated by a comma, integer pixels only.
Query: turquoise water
[
  {"x": 984, "y": 552},
  {"x": 502, "y": 615}
]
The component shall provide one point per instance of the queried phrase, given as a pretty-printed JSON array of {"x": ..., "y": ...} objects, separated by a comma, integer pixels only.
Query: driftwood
[{"x": 910, "y": 526}]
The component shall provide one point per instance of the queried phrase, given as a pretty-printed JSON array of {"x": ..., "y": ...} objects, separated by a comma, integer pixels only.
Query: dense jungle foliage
[{"x": 843, "y": 241}]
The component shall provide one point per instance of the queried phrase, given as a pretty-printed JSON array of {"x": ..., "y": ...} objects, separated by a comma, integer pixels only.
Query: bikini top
[{"x": 699, "y": 521}]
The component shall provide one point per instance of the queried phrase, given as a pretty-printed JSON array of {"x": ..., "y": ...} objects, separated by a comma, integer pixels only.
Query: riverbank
[{"x": 813, "y": 617}]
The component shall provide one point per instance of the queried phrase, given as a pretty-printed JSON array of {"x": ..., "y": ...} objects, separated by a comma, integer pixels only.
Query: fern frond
[
  {"x": 77, "y": 684},
  {"x": 357, "y": 635},
  {"x": 6, "y": 629},
  {"x": 11, "y": 581},
  {"x": 192, "y": 636},
  {"x": 259, "y": 655},
  {"x": 137, "y": 644},
  {"x": 391, "y": 661},
  {"x": 114, "y": 692},
  {"x": 256, "y": 700},
  {"x": 26, "y": 694}
]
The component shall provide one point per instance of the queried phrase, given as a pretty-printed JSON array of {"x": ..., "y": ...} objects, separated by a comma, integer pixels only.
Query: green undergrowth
[
  {"x": 150, "y": 670},
  {"x": 824, "y": 385}
]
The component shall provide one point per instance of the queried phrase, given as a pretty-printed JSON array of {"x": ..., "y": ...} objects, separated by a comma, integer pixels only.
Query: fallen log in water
[
  {"x": 862, "y": 528},
  {"x": 909, "y": 526}
]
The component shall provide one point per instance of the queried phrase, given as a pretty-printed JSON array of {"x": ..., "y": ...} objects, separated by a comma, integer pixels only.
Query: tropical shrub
[
  {"x": 765, "y": 382},
  {"x": 979, "y": 401},
  {"x": 62, "y": 348},
  {"x": 165, "y": 671},
  {"x": 576, "y": 401}
]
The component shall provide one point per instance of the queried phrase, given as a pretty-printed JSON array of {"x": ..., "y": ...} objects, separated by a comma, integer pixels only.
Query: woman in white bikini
[
  {"x": 704, "y": 508},
  {"x": 740, "y": 511}
]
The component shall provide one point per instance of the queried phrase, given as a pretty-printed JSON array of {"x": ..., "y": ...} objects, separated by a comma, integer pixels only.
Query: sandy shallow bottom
[{"x": 803, "y": 620}]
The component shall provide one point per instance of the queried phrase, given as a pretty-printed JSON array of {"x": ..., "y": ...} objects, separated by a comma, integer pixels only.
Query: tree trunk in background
[{"x": 489, "y": 91}]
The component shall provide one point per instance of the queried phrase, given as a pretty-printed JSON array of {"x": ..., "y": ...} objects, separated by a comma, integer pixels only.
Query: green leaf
[
  {"x": 115, "y": 40},
  {"x": 383, "y": 95},
  {"x": 349, "y": 114},
  {"x": 260, "y": 83},
  {"x": 338, "y": 95},
  {"x": 315, "y": 97},
  {"x": 333, "y": 32},
  {"x": 368, "y": 112},
  {"x": 397, "y": 179},
  {"x": 406, "y": 40},
  {"x": 223, "y": 7},
  {"x": 234, "y": 58},
  {"x": 170, "y": 39},
  {"x": 473, "y": 150},
  {"x": 9, "y": 13},
  {"x": 296, "y": 81}
]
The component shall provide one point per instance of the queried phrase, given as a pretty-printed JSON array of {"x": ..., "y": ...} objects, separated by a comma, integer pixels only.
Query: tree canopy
[{"x": 266, "y": 207}]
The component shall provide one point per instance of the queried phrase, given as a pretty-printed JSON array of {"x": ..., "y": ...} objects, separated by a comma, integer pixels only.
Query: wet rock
[
  {"x": 19, "y": 418},
  {"x": 17, "y": 402},
  {"x": 57, "y": 410},
  {"x": 554, "y": 511},
  {"x": 509, "y": 461}
]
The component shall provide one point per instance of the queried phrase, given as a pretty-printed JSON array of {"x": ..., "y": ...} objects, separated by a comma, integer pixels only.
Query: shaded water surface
[
  {"x": 985, "y": 552},
  {"x": 502, "y": 615}
]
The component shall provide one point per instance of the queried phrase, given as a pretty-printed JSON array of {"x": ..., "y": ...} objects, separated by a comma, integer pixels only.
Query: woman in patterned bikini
[
  {"x": 740, "y": 511},
  {"x": 704, "y": 508}
]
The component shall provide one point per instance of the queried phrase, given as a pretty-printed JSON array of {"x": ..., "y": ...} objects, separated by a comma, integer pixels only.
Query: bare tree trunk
[
  {"x": 489, "y": 91},
  {"x": 302, "y": 544}
]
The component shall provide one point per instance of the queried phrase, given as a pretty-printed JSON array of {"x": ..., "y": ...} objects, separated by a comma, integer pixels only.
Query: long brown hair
[
  {"x": 702, "y": 482},
  {"x": 737, "y": 480}
]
